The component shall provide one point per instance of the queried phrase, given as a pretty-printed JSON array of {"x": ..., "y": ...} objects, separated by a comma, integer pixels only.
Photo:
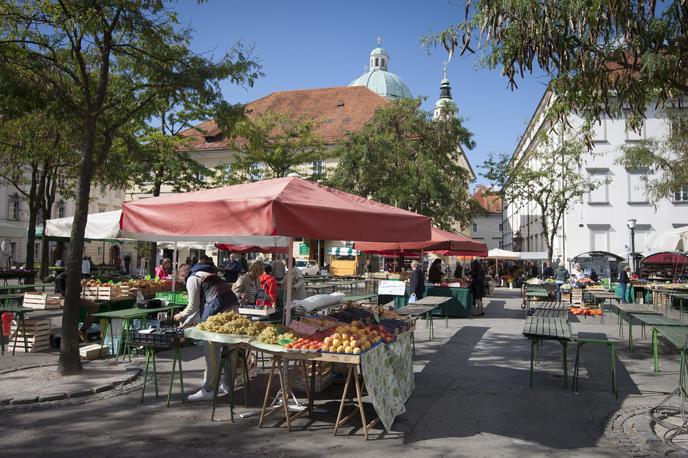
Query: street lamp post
[{"x": 631, "y": 225}]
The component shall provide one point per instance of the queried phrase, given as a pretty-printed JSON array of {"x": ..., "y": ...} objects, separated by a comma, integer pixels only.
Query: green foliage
[
  {"x": 404, "y": 158},
  {"x": 105, "y": 65},
  {"x": 666, "y": 158},
  {"x": 271, "y": 145},
  {"x": 603, "y": 57},
  {"x": 550, "y": 177}
]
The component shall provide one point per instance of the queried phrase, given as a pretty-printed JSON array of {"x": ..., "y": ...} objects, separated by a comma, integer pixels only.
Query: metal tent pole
[
  {"x": 290, "y": 270},
  {"x": 174, "y": 267}
]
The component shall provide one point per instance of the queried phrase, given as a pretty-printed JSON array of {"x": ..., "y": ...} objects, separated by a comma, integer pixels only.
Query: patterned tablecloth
[{"x": 388, "y": 374}]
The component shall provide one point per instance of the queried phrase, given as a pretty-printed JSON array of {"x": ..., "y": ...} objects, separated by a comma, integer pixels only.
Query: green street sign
[{"x": 303, "y": 249}]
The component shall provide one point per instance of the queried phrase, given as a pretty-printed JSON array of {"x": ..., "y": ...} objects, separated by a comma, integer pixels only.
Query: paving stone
[
  {"x": 52, "y": 397},
  {"x": 101, "y": 388},
  {"x": 26, "y": 400},
  {"x": 80, "y": 394}
]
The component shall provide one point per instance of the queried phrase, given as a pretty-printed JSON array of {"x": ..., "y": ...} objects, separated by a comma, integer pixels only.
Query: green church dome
[{"x": 381, "y": 81}]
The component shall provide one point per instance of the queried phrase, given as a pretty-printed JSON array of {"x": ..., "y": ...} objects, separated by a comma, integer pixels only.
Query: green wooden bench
[
  {"x": 550, "y": 313},
  {"x": 538, "y": 329}
]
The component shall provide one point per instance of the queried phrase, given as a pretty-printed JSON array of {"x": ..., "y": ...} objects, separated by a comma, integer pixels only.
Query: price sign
[{"x": 391, "y": 288}]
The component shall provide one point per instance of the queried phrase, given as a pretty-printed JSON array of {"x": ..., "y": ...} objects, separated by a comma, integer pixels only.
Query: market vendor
[
  {"x": 246, "y": 287},
  {"x": 90, "y": 306},
  {"x": 269, "y": 284},
  {"x": 417, "y": 280},
  {"x": 208, "y": 296},
  {"x": 164, "y": 270}
]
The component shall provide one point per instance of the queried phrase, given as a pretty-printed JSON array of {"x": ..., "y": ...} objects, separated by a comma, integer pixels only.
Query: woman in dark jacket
[
  {"x": 478, "y": 286},
  {"x": 435, "y": 274}
]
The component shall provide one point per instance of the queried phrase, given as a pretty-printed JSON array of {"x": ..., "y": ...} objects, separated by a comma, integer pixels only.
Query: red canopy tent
[
  {"x": 290, "y": 207},
  {"x": 441, "y": 242},
  {"x": 667, "y": 257},
  {"x": 251, "y": 248}
]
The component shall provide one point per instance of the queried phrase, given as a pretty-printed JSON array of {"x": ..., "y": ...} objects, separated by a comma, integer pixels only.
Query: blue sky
[{"x": 309, "y": 44}]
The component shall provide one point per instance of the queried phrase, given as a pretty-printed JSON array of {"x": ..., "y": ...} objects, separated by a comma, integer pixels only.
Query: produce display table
[
  {"x": 538, "y": 329},
  {"x": 682, "y": 297},
  {"x": 126, "y": 315},
  {"x": 18, "y": 275},
  {"x": 387, "y": 372},
  {"x": 460, "y": 303}
]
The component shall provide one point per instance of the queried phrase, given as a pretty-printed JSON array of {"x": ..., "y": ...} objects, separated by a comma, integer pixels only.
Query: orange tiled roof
[
  {"x": 340, "y": 110},
  {"x": 490, "y": 202}
]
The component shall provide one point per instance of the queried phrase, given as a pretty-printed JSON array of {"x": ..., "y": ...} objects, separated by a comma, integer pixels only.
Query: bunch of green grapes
[
  {"x": 269, "y": 335},
  {"x": 231, "y": 323}
]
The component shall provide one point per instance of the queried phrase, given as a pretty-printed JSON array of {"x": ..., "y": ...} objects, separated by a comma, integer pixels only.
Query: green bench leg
[
  {"x": 612, "y": 351},
  {"x": 177, "y": 357},
  {"x": 532, "y": 351},
  {"x": 155, "y": 373},
  {"x": 145, "y": 371},
  {"x": 655, "y": 351}
]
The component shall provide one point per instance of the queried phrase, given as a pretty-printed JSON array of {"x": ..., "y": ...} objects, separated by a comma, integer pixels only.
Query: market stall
[
  {"x": 290, "y": 207},
  {"x": 664, "y": 266},
  {"x": 443, "y": 243}
]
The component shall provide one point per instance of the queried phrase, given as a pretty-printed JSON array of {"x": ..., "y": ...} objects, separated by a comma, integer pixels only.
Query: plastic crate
[
  {"x": 161, "y": 338},
  {"x": 181, "y": 298},
  {"x": 169, "y": 296}
]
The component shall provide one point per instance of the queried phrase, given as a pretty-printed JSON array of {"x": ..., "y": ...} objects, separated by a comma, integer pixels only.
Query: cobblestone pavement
[{"x": 471, "y": 399}]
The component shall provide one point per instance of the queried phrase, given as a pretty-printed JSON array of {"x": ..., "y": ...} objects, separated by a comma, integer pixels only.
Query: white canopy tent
[
  {"x": 498, "y": 253},
  {"x": 105, "y": 226},
  {"x": 674, "y": 240}
]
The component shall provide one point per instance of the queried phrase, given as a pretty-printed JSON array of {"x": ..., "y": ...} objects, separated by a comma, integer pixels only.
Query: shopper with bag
[
  {"x": 417, "y": 281},
  {"x": 208, "y": 296}
]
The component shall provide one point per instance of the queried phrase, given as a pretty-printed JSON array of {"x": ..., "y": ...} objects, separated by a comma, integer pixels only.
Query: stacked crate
[
  {"x": 576, "y": 296},
  {"x": 42, "y": 301},
  {"x": 37, "y": 335}
]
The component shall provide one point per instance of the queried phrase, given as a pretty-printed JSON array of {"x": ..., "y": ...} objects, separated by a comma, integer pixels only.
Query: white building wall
[
  {"x": 598, "y": 222},
  {"x": 487, "y": 229}
]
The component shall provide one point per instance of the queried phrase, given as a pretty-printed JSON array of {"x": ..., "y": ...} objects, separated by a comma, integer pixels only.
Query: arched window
[
  {"x": 377, "y": 61},
  {"x": 14, "y": 208},
  {"x": 382, "y": 62}
]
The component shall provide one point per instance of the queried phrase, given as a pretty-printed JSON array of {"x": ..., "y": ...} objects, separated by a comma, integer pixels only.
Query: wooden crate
[
  {"x": 108, "y": 293},
  {"x": 90, "y": 293},
  {"x": 93, "y": 351},
  {"x": 37, "y": 335},
  {"x": 42, "y": 301}
]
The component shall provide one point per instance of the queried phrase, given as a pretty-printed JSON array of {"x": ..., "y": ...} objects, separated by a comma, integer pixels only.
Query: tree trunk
[
  {"x": 45, "y": 259},
  {"x": 70, "y": 361},
  {"x": 31, "y": 235},
  {"x": 153, "y": 247}
]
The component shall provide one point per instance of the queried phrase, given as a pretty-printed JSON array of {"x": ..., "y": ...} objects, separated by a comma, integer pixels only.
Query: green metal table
[
  {"x": 126, "y": 315},
  {"x": 681, "y": 296},
  {"x": 538, "y": 329},
  {"x": 626, "y": 312},
  {"x": 677, "y": 336},
  {"x": 675, "y": 333},
  {"x": 9, "y": 289},
  {"x": 425, "y": 307}
]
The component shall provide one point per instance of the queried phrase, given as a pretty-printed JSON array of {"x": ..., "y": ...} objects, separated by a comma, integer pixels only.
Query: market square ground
[{"x": 471, "y": 399}]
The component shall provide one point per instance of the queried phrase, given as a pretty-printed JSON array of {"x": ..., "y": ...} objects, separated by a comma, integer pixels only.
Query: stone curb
[{"x": 25, "y": 401}]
